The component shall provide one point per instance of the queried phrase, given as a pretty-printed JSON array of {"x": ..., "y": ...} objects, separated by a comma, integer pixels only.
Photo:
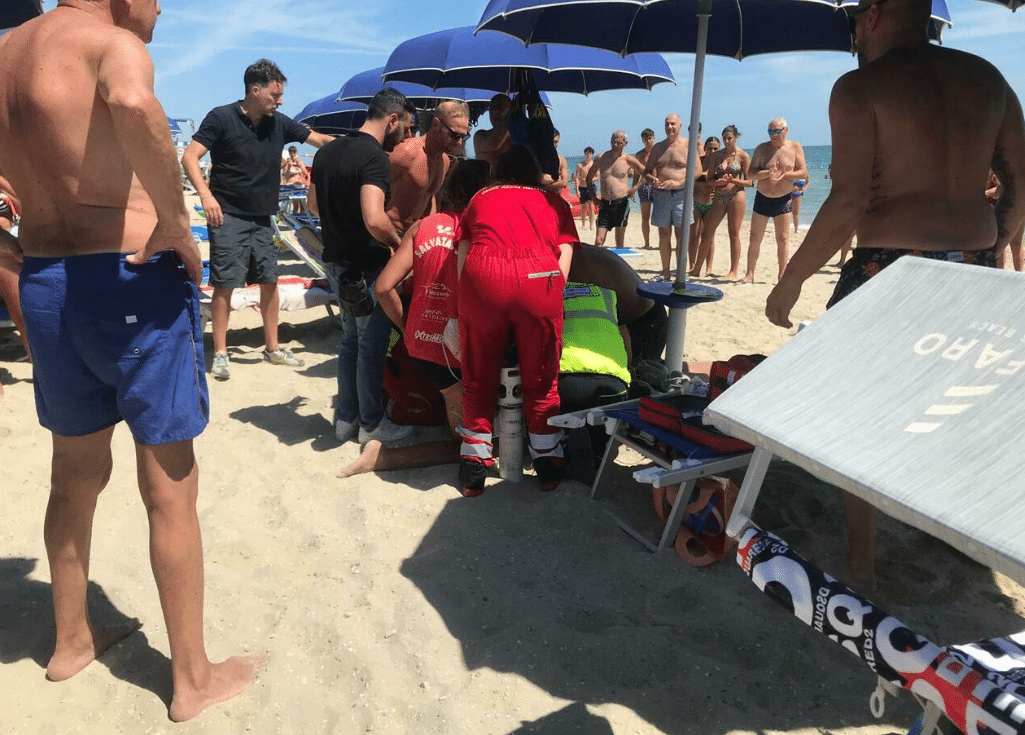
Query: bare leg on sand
[
  {"x": 861, "y": 535},
  {"x": 80, "y": 470}
]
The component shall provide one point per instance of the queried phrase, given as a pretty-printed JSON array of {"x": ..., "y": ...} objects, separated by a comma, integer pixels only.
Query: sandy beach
[{"x": 389, "y": 604}]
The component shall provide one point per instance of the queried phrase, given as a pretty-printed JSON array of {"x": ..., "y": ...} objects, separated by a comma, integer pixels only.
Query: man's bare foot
[
  {"x": 227, "y": 679},
  {"x": 747, "y": 279},
  {"x": 696, "y": 273},
  {"x": 69, "y": 659},
  {"x": 731, "y": 276},
  {"x": 863, "y": 582},
  {"x": 365, "y": 462}
]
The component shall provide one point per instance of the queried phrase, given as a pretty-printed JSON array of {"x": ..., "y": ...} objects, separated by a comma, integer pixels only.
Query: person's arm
[
  {"x": 371, "y": 202},
  {"x": 757, "y": 171},
  {"x": 398, "y": 267},
  {"x": 318, "y": 140},
  {"x": 637, "y": 178},
  {"x": 591, "y": 173},
  {"x": 190, "y": 162},
  {"x": 1009, "y": 166},
  {"x": 461, "y": 253},
  {"x": 125, "y": 84},
  {"x": 851, "y": 119},
  {"x": 311, "y": 200},
  {"x": 800, "y": 170},
  {"x": 565, "y": 258}
]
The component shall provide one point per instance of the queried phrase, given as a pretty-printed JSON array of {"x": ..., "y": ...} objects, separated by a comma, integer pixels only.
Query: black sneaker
[
  {"x": 471, "y": 477},
  {"x": 550, "y": 471}
]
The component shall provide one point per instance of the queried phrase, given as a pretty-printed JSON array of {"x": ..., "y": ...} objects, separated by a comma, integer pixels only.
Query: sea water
[{"x": 817, "y": 158}]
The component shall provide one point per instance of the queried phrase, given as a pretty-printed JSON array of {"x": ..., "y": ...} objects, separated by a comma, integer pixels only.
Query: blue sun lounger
[{"x": 901, "y": 395}]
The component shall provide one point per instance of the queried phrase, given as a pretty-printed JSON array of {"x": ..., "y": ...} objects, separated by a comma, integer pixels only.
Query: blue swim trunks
[{"x": 113, "y": 341}]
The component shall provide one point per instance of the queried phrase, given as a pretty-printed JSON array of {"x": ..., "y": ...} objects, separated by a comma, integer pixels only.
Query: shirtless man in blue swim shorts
[
  {"x": 108, "y": 288},
  {"x": 880, "y": 133},
  {"x": 775, "y": 166},
  {"x": 646, "y": 194}
]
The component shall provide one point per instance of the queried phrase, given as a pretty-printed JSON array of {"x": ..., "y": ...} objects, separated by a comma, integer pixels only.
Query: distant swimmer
[
  {"x": 612, "y": 169},
  {"x": 775, "y": 166},
  {"x": 904, "y": 109},
  {"x": 109, "y": 291}
]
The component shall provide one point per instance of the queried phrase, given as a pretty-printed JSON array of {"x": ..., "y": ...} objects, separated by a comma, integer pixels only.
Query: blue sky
[{"x": 201, "y": 49}]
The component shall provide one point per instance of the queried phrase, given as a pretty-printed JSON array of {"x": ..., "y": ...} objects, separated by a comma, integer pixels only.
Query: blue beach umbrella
[
  {"x": 457, "y": 57},
  {"x": 15, "y": 12},
  {"x": 363, "y": 86},
  {"x": 735, "y": 28},
  {"x": 328, "y": 115}
]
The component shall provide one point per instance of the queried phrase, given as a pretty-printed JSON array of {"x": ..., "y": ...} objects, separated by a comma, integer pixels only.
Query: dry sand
[{"x": 389, "y": 604}]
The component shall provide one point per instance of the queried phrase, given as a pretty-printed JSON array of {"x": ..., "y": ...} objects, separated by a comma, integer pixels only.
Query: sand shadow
[
  {"x": 284, "y": 421},
  {"x": 27, "y": 630},
  {"x": 569, "y": 719},
  {"x": 548, "y": 588}
]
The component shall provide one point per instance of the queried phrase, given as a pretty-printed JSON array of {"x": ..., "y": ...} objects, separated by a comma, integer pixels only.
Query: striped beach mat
[
  {"x": 626, "y": 252},
  {"x": 980, "y": 687}
]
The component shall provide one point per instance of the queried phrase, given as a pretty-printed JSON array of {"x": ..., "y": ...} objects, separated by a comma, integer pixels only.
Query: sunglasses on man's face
[
  {"x": 460, "y": 137},
  {"x": 776, "y": 131}
]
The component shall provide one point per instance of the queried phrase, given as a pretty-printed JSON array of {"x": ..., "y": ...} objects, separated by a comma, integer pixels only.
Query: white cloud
[{"x": 311, "y": 26}]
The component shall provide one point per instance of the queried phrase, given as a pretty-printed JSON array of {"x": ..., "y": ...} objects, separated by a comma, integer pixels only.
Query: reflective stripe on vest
[{"x": 591, "y": 340}]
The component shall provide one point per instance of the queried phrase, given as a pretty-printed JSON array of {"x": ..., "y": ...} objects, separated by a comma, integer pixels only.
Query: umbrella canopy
[
  {"x": 736, "y": 28},
  {"x": 457, "y": 57},
  {"x": 363, "y": 86},
  {"x": 15, "y": 12},
  {"x": 330, "y": 116}
]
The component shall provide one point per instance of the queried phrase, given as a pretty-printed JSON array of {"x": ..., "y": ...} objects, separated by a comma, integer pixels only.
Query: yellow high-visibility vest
[{"x": 591, "y": 341}]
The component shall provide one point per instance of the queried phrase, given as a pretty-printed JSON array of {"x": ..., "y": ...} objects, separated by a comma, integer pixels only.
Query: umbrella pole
[{"x": 678, "y": 316}]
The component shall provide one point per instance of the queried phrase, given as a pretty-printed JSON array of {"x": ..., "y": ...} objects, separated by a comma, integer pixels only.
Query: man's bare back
[
  {"x": 926, "y": 187},
  {"x": 64, "y": 128}
]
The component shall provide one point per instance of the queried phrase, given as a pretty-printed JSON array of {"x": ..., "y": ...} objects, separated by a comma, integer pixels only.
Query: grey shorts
[
  {"x": 242, "y": 251},
  {"x": 667, "y": 209}
]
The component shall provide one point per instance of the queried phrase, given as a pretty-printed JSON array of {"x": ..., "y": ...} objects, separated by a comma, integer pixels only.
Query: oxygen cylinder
[{"x": 510, "y": 425}]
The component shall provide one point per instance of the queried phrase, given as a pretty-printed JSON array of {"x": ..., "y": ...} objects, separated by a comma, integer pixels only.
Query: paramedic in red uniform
[{"x": 516, "y": 243}]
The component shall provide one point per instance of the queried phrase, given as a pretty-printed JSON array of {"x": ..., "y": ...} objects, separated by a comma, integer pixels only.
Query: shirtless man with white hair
[
  {"x": 104, "y": 235},
  {"x": 903, "y": 110},
  {"x": 613, "y": 169},
  {"x": 775, "y": 166}
]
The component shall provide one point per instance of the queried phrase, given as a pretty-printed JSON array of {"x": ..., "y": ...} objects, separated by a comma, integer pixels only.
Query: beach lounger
[
  {"x": 903, "y": 395},
  {"x": 625, "y": 427}
]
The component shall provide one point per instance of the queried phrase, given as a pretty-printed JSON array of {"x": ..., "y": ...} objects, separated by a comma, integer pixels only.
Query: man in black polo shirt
[
  {"x": 349, "y": 186},
  {"x": 245, "y": 140}
]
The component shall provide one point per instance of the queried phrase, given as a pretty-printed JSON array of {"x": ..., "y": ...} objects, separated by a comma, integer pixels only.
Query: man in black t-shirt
[
  {"x": 245, "y": 140},
  {"x": 349, "y": 186}
]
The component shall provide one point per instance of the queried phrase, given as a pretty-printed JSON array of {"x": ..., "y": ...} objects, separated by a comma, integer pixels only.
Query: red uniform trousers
[{"x": 501, "y": 289}]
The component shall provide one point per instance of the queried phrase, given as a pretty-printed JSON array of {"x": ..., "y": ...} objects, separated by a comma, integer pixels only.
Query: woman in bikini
[
  {"x": 293, "y": 170},
  {"x": 702, "y": 203},
  {"x": 726, "y": 170}
]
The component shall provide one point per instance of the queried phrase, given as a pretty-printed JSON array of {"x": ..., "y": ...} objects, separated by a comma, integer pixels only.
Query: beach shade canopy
[
  {"x": 15, "y": 12},
  {"x": 363, "y": 86},
  {"x": 457, "y": 57},
  {"x": 735, "y": 28},
  {"x": 906, "y": 394},
  {"x": 328, "y": 115}
]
